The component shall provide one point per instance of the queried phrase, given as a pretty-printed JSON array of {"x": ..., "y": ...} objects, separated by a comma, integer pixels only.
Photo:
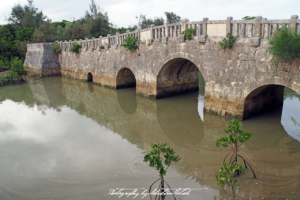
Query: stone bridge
[{"x": 239, "y": 82}]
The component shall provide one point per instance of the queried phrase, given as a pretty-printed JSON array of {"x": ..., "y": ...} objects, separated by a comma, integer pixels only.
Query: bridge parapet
[{"x": 242, "y": 28}]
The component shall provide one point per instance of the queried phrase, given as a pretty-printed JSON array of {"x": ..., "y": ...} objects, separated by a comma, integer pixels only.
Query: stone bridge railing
[{"x": 242, "y": 28}]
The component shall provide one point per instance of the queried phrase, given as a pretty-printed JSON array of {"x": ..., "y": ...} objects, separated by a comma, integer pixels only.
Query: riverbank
[{"x": 8, "y": 81}]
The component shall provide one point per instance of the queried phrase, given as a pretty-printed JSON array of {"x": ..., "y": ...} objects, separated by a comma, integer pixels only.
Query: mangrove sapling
[
  {"x": 227, "y": 176},
  {"x": 233, "y": 142},
  {"x": 161, "y": 158}
]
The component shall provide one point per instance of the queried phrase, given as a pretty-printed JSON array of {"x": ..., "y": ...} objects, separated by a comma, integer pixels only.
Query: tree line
[{"x": 28, "y": 24}]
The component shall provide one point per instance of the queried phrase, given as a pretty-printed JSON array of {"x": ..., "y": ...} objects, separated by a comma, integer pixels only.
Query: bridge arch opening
[
  {"x": 89, "y": 77},
  {"x": 177, "y": 76},
  {"x": 264, "y": 98},
  {"x": 125, "y": 78}
]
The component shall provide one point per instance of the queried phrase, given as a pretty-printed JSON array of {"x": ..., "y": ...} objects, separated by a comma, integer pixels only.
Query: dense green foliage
[
  {"x": 237, "y": 135},
  {"x": 26, "y": 16},
  {"x": 9, "y": 34},
  {"x": 17, "y": 69},
  {"x": 172, "y": 17},
  {"x": 144, "y": 22},
  {"x": 129, "y": 43},
  {"x": 45, "y": 33},
  {"x": 228, "y": 42},
  {"x": 228, "y": 173},
  {"x": 285, "y": 45},
  {"x": 75, "y": 47},
  {"x": 16, "y": 72},
  {"x": 161, "y": 157},
  {"x": 96, "y": 22},
  {"x": 56, "y": 47},
  {"x": 188, "y": 33}
]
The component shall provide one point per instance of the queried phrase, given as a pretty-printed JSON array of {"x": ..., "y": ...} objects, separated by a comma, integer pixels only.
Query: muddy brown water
[{"x": 65, "y": 139}]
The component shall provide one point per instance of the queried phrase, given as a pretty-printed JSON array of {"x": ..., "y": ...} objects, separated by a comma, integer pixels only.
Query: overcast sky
[{"x": 123, "y": 12}]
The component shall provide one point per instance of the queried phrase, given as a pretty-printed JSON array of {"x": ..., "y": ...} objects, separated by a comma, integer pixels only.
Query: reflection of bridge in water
[{"x": 176, "y": 121}]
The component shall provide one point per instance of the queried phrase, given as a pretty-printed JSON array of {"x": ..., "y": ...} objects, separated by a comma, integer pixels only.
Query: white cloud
[{"x": 123, "y": 12}]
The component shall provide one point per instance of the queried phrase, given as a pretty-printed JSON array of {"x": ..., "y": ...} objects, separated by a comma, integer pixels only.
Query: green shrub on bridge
[
  {"x": 56, "y": 47},
  {"x": 285, "y": 45},
  {"x": 227, "y": 42},
  {"x": 129, "y": 43},
  {"x": 75, "y": 47},
  {"x": 188, "y": 33}
]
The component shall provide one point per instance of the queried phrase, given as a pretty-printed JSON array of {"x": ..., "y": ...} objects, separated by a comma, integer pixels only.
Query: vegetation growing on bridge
[
  {"x": 228, "y": 42},
  {"x": 188, "y": 33},
  {"x": 75, "y": 47},
  {"x": 130, "y": 43},
  {"x": 56, "y": 47},
  {"x": 285, "y": 45},
  {"x": 230, "y": 170},
  {"x": 161, "y": 158}
]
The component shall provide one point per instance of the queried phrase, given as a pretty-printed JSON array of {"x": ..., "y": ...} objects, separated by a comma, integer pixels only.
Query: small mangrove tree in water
[
  {"x": 231, "y": 168},
  {"x": 161, "y": 158}
]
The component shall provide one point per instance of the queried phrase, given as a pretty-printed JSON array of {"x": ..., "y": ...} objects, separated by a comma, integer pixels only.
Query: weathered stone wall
[{"x": 41, "y": 59}]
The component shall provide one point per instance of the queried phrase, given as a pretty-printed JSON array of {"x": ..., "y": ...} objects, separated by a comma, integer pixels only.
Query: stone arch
[
  {"x": 89, "y": 77},
  {"x": 196, "y": 60},
  {"x": 271, "y": 81},
  {"x": 125, "y": 78},
  {"x": 263, "y": 98},
  {"x": 176, "y": 76}
]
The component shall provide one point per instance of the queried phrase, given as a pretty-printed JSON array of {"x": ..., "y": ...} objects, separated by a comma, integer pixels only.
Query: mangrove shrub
[
  {"x": 161, "y": 158},
  {"x": 231, "y": 168}
]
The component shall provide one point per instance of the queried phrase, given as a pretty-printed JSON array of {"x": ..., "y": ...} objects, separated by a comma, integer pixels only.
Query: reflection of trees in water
[
  {"x": 290, "y": 94},
  {"x": 297, "y": 124}
]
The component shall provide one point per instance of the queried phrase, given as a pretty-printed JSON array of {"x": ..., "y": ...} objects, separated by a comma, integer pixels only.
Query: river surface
[{"x": 64, "y": 139}]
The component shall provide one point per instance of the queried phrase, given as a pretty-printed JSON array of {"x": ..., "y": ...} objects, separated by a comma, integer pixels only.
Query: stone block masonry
[
  {"x": 240, "y": 82},
  {"x": 41, "y": 59}
]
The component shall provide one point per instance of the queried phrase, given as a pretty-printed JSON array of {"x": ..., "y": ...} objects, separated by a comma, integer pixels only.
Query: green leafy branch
[{"x": 228, "y": 42}]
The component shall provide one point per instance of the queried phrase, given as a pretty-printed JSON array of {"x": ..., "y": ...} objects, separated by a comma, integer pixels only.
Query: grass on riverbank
[{"x": 4, "y": 80}]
